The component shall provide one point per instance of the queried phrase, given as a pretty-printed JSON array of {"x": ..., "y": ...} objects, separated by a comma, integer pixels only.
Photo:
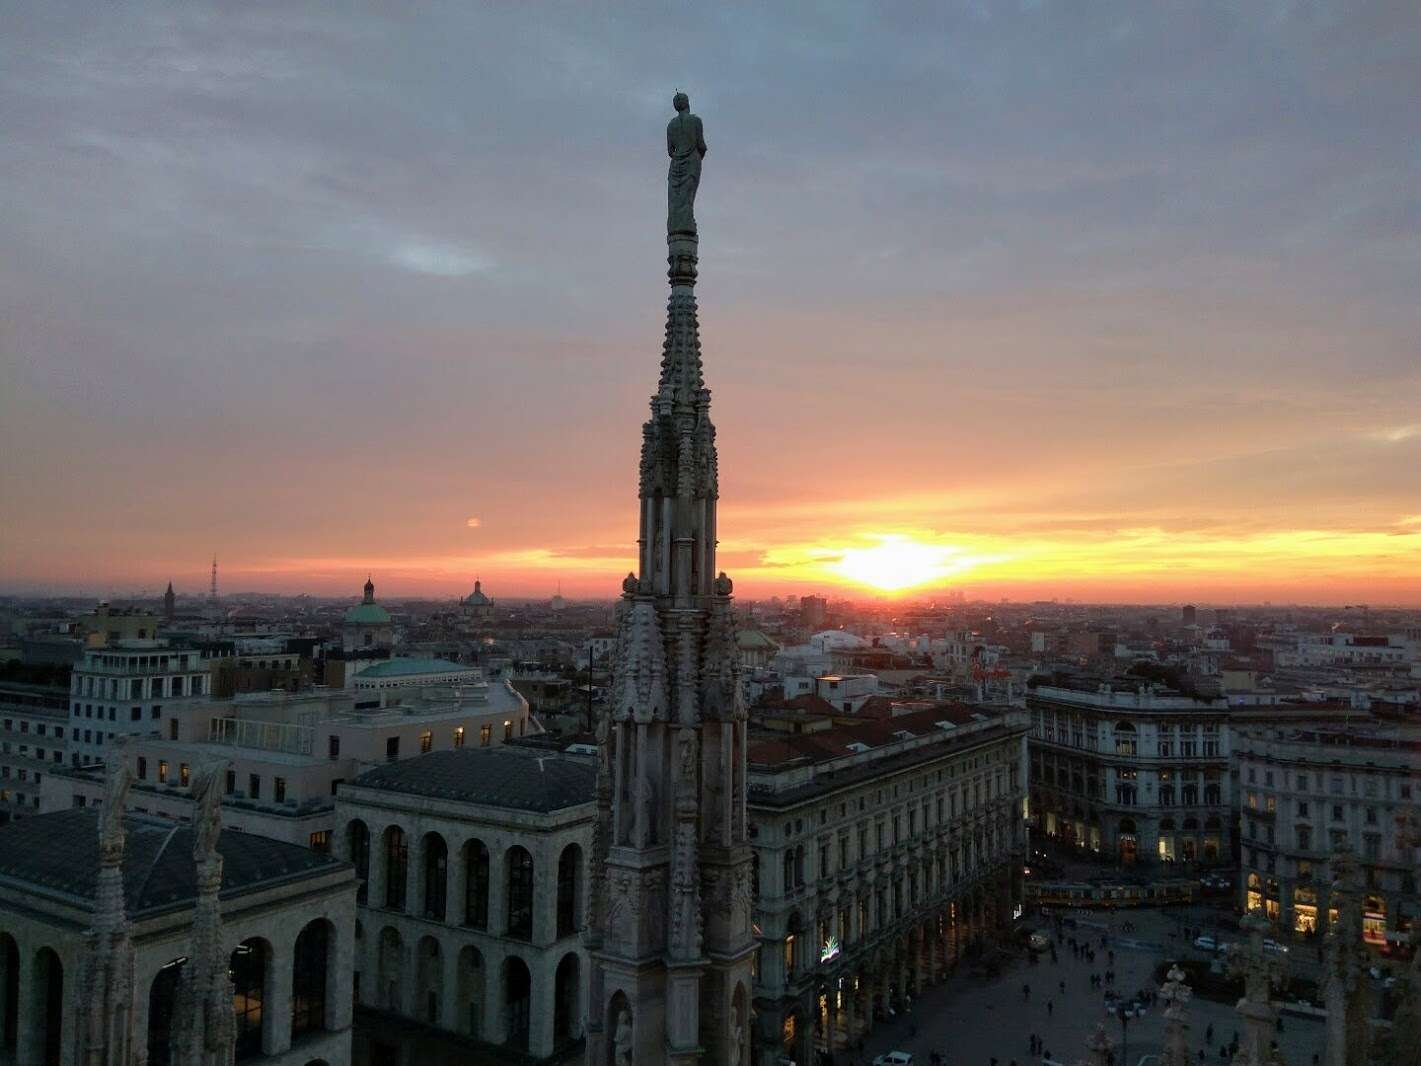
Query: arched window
[
  {"x": 520, "y": 894},
  {"x": 358, "y": 841},
  {"x": 565, "y": 998},
  {"x": 476, "y": 885},
  {"x": 569, "y": 889},
  {"x": 469, "y": 1020},
  {"x": 397, "y": 861},
  {"x": 429, "y": 980},
  {"x": 517, "y": 997},
  {"x": 789, "y": 869},
  {"x": 308, "y": 978},
  {"x": 248, "y": 972},
  {"x": 436, "y": 870},
  {"x": 162, "y": 994},
  {"x": 48, "y": 988}
]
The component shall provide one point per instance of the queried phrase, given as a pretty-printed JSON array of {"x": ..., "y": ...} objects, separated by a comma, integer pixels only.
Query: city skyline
[{"x": 317, "y": 293}]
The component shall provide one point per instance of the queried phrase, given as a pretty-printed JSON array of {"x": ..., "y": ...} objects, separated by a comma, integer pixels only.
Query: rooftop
[
  {"x": 413, "y": 666},
  {"x": 509, "y": 777},
  {"x": 58, "y": 854}
]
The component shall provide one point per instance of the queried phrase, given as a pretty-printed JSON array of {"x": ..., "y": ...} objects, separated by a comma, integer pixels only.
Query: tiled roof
[
  {"x": 828, "y": 744},
  {"x": 510, "y": 777},
  {"x": 59, "y": 852}
]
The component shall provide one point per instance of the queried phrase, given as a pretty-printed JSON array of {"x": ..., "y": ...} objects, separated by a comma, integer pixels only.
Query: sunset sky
[{"x": 1111, "y": 301}]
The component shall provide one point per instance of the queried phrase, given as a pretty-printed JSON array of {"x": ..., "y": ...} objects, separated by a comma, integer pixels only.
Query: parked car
[
  {"x": 894, "y": 1058},
  {"x": 1275, "y": 947},
  {"x": 1206, "y": 943}
]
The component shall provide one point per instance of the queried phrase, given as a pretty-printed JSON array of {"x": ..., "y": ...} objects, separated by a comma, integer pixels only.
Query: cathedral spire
[{"x": 669, "y": 923}]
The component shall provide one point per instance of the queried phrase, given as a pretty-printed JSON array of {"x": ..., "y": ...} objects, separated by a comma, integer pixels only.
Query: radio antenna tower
[{"x": 212, "y": 594}]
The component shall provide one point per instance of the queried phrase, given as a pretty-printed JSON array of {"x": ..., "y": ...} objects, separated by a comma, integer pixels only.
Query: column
[
  {"x": 414, "y": 876},
  {"x": 276, "y": 998},
  {"x": 29, "y": 1027},
  {"x": 495, "y": 1023},
  {"x": 542, "y": 999},
  {"x": 340, "y": 974},
  {"x": 498, "y": 887},
  {"x": 375, "y": 889},
  {"x": 850, "y": 994}
]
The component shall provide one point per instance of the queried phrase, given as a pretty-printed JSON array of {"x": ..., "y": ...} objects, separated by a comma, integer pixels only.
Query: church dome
[
  {"x": 367, "y": 612},
  {"x": 477, "y": 597}
]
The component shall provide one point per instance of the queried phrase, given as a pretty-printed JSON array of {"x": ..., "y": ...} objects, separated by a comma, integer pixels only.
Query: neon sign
[{"x": 830, "y": 951}]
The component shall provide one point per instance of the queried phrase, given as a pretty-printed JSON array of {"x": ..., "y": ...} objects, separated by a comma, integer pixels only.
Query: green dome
[{"x": 367, "y": 614}]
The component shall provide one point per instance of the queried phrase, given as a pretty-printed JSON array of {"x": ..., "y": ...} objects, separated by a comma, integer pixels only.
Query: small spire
[{"x": 369, "y": 589}]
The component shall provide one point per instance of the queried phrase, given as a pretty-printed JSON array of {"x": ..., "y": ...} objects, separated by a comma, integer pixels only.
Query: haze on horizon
[{"x": 1099, "y": 301}]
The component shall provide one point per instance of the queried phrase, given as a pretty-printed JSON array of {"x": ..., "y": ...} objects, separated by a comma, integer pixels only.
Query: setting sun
[{"x": 897, "y": 562}]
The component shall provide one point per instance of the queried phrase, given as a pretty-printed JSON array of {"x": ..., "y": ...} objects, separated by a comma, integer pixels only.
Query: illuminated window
[
  {"x": 162, "y": 771},
  {"x": 458, "y": 736},
  {"x": 485, "y": 735},
  {"x": 426, "y": 741}
]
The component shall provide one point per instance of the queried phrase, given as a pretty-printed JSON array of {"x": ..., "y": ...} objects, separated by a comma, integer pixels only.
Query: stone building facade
[
  {"x": 473, "y": 872},
  {"x": 102, "y": 933},
  {"x": 1135, "y": 774},
  {"x": 1307, "y": 794},
  {"x": 883, "y": 850},
  {"x": 34, "y": 742},
  {"x": 132, "y": 688}
]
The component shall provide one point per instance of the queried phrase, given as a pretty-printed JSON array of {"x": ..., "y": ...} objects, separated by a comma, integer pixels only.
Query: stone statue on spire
[{"x": 686, "y": 145}]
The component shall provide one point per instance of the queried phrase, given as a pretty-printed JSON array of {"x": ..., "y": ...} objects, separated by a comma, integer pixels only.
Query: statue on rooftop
[
  {"x": 686, "y": 145},
  {"x": 207, "y": 808}
]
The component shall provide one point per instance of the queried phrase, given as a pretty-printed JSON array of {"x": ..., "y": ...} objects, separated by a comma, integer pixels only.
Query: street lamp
[{"x": 1124, "y": 1036}]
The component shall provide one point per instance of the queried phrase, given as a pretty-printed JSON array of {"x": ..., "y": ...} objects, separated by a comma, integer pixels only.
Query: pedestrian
[
  {"x": 1049, "y": 1008},
  {"x": 1025, "y": 991}
]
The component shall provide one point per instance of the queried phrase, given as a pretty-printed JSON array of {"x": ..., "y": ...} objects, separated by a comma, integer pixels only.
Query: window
[
  {"x": 142, "y": 768},
  {"x": 308, "y": 980},
  {"x": 426, "y": 742},
  {"x": 485, "y": 735},
  {"x": 458, "y": 736},
  {"x": 231, "y": 782},
  {"x": 507, "y": 730},
  {"x": 184, "y": 774},
  {"x": 1302, "y": 809},
  {"x": 333, "y": 747},
  {"x": 520, "y": 894},
  {"x": 279, "y": 789},
  {"x": 397, "y": 859},
  {"x": 254, "y": 786},
  {"x": 135, "y": 714},
  {"x": 476, "y": 885},
  {"x": 248, "y": 973},
  {"x": 1304, "y": 838},
  {"x": 320, "y": 841},
  {"x": 162, "y": 771},
  {"x": 392, "y": 749},
  {"x": 172, "y": 729}
]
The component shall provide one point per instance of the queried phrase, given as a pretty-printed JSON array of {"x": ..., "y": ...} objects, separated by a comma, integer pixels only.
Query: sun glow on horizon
[{"x": 898, "y": 562}]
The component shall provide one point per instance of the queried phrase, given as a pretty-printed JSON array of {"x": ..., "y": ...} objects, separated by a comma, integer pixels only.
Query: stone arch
[
  {"x": 357, "y": 845},
  {"x": 9, "y": 992},
  {"x": 476, "y": 883},
  {"x": 429, "y": 980},
  {"x": 567, "y": 999},
  {"x": 470, "y": 1017},
  {"x": 162, "y": 997},
  {"x": 395, "y": 854},
  {"x": 434, "y": 876},
  {"x": 569, "y": 905},
  {"x": 517, "y": 1002},
  {"x": 311, "y": 986},
  {"x": 249, "y": 966},
  {"x": 518, "y": 863},
  {"x": 390, "y": 970}
]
